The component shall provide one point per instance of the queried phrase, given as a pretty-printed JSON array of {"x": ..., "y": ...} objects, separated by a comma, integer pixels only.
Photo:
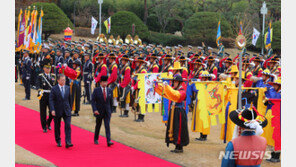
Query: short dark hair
[{"x": 60, "y": 76}]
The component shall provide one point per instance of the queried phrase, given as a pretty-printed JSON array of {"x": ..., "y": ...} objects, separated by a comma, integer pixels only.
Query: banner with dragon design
[{"x": 210, "y": 103}]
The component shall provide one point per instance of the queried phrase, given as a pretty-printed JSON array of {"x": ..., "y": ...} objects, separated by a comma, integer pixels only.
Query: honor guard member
[
  {"x": 221, "y": 50},
  {"x": 274, "y": 66},
  {"x": 112, "y": 80},
  {"x": 124, "y": 86},
  {"x": 59, "y": 59},
  {"x": 211, "y": 68},
  {"x": 189, "y": 52},
  {"x": 251, "y": 123},
  {"x": 75, "y": 86},
  {"x": 69, "y": 62},
  {"x": 269, "y": 51},
  {"x": 26, "y": 73},
  {"x": 167, "y": 63},
  {"x": 153, "y": 67},
  {"x": 257, "y": 71},
  {"x": 177, "y": 128},
  {"x": 141, "y": 69},
  {"x": 45, "y": 82},
  {"x": 101, "y": 69},
  {"x": 183, "y": 63},
  {"x": 204, "y": 132},
  {"x": 87, "y": 76},
  {"x": 248, "y": 73},
  {"x": 262, "y": 82},
  {"x": 198, "y": 68}
]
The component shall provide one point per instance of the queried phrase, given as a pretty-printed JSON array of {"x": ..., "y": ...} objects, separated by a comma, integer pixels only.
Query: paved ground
[{"x": 147, "y": 136}]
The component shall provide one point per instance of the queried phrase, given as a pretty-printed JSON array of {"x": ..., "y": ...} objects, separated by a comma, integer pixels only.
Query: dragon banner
[{"x": 210, "y": 102}]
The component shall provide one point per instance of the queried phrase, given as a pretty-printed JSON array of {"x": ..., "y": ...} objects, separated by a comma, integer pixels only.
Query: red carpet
[{"x": 29, "y": 135}]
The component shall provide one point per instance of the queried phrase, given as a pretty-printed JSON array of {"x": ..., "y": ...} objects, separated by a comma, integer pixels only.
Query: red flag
[
  {"x": 22, "y": 32},
  {"x": 276, "y": 123}
]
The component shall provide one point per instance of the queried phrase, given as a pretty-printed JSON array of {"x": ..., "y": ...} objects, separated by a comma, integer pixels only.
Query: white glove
[
  {"x": 252, "y": 64},
  {"x": 27, "y": 78},
  {"x": 205, "y": 66},
  {"x": 132, "y": 89},
  {"x": 65, "y": 65},
  {"x": 148, "y": 63},
  {"x": 213, "y": 76},
  {"x": 94, "y": 81},
  {"x": 165, "y": 83},
  {"x": 170, "y": 73},
  {"x": 188, "y": 59},
  {"x": 118, "y": 85}
]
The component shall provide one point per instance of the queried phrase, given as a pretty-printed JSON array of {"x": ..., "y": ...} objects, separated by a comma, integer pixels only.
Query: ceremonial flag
[
  {"x": 22, "y": 32},
  {"x": 18, "y": 25},
  {"x": 240, "y": 28},
  {"x": 255, "y": 36},
  {"x": 218, "y": 34},
  {"x": 94, "y": 23},
  {"x": 268, "y": 36},
  {"x": 39, "y": 33},
  {"x": 107, "y": 24}
]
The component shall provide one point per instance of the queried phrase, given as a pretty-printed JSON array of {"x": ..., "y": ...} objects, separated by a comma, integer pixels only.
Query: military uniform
[
  {"x": 75, "y": 86},
  {"x": 26, "y": 75},
  {"x": 44, "y": 85},
  {"x": 125, "y": 87},
  {"x": 112, "y": 81},
  {"x": 87, "y": 78}
]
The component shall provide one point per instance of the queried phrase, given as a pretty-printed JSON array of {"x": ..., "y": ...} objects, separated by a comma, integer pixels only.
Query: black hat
[
  {"x": 140, "y": 59},
  {"x": 211, "y": 58},
  {"x": 78, "y": 62},
  {"x": 168, "y": 57},
  {"x": 182, "y": 58},
  {"x": 125, "y": 57},
  {"x": 46, "y": 63},
  {"x": 178, "y": 78},
  {"x": 228, "y": 60},
  {"x": 257, "y": 59},
  {"x": 197, "y": 61},
  {"x": 112, "y": 56},
  {"x": 240, "y": 118},
  {"x": 104, "y": 78}
]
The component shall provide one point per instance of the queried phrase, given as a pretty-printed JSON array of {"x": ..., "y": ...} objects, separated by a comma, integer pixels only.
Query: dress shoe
[
  {"x": 75, "y": 114},
  {"x": 96, "y": 142},
  {"x": 177, "y": 151},
  {"x": 109, "y": 143},
  {"x": 69, "y": 145},
  {"x": 26, "y": 99},
  {"x": 59, "y": 144},
  {"x": 200, "y": 139},
  {"x": 44, "y": 130},
  {"x": 49, "y": 127}
]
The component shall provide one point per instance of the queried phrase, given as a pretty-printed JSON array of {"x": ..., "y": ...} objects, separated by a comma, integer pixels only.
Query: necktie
[
  {"x": 62, "y": 91},
  {"x": 104, "y": 93}
]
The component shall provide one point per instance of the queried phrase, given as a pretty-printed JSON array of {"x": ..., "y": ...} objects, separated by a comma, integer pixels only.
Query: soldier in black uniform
[
  {"x": 69, "y": 62},
  {"x": 59, "y": 59},
  {"x": 76, "y": 88},
  {"x": 45, "y": 82},
  {"x": 26, "y": 73},
  {"x": 87, "y": 76}
]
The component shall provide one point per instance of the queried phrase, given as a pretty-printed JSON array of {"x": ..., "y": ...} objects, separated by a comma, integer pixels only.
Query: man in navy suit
[
  {"x": 101, "y": 102},
  {"x": 59, "y": 103}
]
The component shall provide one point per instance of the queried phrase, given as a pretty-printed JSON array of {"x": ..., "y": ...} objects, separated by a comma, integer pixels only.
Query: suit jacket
[
  {"x": 59, "y": 104},
  {"x": 99, "y": 104}
]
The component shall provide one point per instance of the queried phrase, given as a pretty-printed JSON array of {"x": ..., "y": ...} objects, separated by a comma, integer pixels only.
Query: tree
[
  {"x": 122, "y": 25},
  {"x": 54, "y": 19},
  {"x": 202, "y": 27}
]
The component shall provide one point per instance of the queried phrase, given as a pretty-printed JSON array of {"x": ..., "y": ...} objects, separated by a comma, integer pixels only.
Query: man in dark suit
[
  {"x": 59, "y": 102},
  {"x": 101, "y": 102}
]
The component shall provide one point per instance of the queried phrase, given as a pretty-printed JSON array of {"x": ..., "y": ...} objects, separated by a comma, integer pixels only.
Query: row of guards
[
  {"x": 128, "y": 40},
  {"x": 213, "y": 100}
]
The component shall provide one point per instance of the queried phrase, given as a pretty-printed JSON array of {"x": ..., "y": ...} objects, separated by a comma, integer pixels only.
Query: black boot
[
  {"x": 205, "y": 137},
  {"x": 275, "y": 157},
  {"x": 113, "y": 109},
  {"x": 178, "y": 149},
  {"x": 125, "y": 113},
  {"x": 201, "y": 138}
]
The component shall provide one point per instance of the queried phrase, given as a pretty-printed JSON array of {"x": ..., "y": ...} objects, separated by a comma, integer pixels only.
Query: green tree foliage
[
  {"x": 54, "y": 19},
  {"x": 202, "y": 27},
  {"x": 276, "y": 36},
  {"x": 122, "y": 25}
]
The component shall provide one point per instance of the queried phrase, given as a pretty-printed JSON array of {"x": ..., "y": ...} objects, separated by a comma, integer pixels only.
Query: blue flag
[{"x": 218, "y": 34}]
